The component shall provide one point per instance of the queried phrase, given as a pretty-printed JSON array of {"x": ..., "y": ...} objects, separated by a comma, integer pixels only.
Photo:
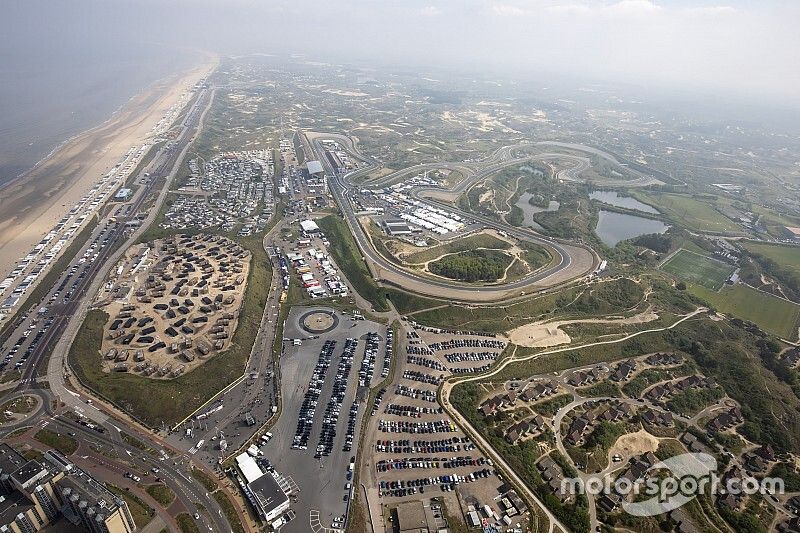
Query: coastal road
[{"x": 65, "y": 319}]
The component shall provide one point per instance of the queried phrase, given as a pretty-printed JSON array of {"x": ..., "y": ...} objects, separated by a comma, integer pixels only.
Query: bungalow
[
  {"x": 657, "y": 418},
  {"x": 576, "y": 430},
  {"x": 523, "y": 428},
  {"x": 616, "y": 412},
  {"x": 693, "y": 443},
  {"x": 491, "y": 405},
  {"x": 539, "y": 391},
  {"x": 793, "y": 357},
  {"x": 726, "y": 420},
  {"x": 657, "y": 393},
  {"x": 662, "y": 358},
  {"x": 624, "y": 370}
]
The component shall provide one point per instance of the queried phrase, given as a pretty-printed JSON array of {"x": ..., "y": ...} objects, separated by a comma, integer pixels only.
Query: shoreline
[{"x": 33, "y": 202}]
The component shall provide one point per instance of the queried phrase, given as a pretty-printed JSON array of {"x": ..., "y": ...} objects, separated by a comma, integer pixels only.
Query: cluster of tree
[
  {"x": 474, "y": 265},
  {"x": 605, "y": 435},
  {"x": 692, "y": 401},
  {"x": 661, "y": 243},
  {"x": 723, "y": 355}
]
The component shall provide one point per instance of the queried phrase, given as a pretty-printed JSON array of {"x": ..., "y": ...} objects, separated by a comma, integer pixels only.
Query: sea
[{"x": 46, "y": 101}]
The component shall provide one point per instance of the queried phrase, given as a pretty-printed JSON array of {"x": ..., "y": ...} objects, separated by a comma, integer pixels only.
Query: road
[
  {"x": 571, "y": 260},
  {"x": 65, "y": 313}
]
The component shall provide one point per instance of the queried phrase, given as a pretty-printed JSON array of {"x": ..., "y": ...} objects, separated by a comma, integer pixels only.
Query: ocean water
[{"x": 47, "y": 99}]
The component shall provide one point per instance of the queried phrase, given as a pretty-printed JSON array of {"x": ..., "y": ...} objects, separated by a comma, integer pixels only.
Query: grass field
[
  {"x": 770, "y": 313},
  {"x": 787, "y": 257},
  {"x": 689, "y": 212},
  {"x": 63, "y": 443},
  {"x": 458, "y": 245},
  {"x": 605, "y": 298},
  {"x": 698, "y": 269},
  {"x": 161, "y": 493},
  {"x": 141, "y": 512},
  {"x": 348, "y": 257}
]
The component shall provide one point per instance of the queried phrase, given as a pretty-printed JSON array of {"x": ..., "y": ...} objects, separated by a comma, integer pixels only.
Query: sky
[{"x": 747, "y": 49}]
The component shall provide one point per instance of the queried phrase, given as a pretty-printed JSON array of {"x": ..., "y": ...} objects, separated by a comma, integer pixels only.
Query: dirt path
[{"x": 545, "y": 334}]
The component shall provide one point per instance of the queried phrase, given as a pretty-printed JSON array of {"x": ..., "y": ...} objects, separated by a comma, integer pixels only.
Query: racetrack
[{"x": 572, "y": 261}]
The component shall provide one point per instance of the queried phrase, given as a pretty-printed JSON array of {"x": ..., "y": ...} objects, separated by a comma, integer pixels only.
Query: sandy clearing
[
  {"x": 632, "y": 444},
  {"x": 546, "y": 334},
  {"x": 31, "y": 205}
]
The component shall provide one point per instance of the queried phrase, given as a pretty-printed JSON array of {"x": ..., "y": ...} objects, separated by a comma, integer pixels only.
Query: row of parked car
[
  {"x": 334, "y": 406},
  {"x": 426, "y": 362},
  {"x": 411, "y": 392},
  {"x": 412, "y": 411},
  {"x": 405, "y": 446},
  {"x": 446, "y": 483},
  {"x": 385, "y": 465},
  {"x": 305, "y": 420},
  {"x": 422, "y": 377},
  {"x": 402, "y": 426}
]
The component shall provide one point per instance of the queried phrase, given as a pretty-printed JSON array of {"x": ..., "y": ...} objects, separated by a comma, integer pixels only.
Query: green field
[
  {"x": 472, "y": 265},
  {"x": 481, "y": 240},
  {"x": 787, "y": 257},
  {"x": 770, "y": 313},
  {"x": 348, "y": 257},
  {"x": 690, "y": 212},
  {"x": 698, "y": 269}
]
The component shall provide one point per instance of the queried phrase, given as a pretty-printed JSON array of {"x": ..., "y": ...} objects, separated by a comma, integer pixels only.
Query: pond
[
  {"x": 614, "y": 227},
  {"x": 612, "y": 198},
  {"x": 529, "y": 210}
]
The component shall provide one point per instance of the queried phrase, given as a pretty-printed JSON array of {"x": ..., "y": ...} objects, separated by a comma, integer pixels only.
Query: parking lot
[
  {"x": 314, "y": 440},
  {"x": 417, "y": 453}
]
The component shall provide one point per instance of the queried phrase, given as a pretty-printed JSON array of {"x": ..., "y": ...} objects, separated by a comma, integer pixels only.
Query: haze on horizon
[{"x": 744, "y": 49}]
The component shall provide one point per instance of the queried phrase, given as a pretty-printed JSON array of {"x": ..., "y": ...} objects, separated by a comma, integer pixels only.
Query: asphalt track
[{"x": 571, "y": 260}]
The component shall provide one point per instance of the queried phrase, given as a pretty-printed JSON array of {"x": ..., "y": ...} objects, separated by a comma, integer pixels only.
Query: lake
[
  {"x": 529, "y": 210},
  {"x": 615, "y": 227},
  {"x": 612, "y": 198}
]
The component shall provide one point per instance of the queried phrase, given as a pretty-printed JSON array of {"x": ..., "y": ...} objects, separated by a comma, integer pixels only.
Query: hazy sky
[{"x": 746, "y": 48}]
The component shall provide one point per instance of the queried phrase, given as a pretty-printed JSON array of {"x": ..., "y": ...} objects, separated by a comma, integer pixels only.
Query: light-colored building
[
  {"x": 411, "y": 518},
  {"x": 793, "y": 232},
  {"x": 309, "y": 226},
  {"x": 314, "y": 167}
]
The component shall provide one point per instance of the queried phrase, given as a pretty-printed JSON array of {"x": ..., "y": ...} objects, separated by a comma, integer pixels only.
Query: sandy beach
[{"x": 32, "y": 204}]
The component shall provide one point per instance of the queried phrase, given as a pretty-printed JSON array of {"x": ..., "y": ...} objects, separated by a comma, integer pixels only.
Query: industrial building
[
  {"x": 397, "y": 228},
  {"x": 411, "y": 518}
]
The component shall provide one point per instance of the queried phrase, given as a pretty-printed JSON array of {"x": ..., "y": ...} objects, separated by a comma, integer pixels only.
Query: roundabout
[{"x": 319, "y": 321}]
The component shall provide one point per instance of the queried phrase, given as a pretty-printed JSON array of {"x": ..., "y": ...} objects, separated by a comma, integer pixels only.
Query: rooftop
[
  {"x": 10, "y": 460},
  {"x": 411, "y": 517},
  {"x": 268, "y": 492},
  {"x": 11, "y": 505},
  {"x": 314, "y": 167},
  {"x": 89, "y": 489}
]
